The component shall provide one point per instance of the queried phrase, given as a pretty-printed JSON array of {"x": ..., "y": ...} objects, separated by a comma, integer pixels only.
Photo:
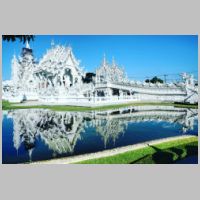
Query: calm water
[{"x": 39, "y": 134}]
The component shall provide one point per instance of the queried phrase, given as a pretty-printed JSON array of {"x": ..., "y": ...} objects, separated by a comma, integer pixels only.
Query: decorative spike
[
  {"x": 113, "y": 62},
  {"x": 69, "y": 47},
  {"x": 52, "y": 43},
  {"x": 104, "y": 59},
  {"x": 27, "y": 45}
]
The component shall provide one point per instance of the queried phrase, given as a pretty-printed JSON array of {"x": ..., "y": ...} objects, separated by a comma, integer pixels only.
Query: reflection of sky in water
[{"x": 39, "y": 134}]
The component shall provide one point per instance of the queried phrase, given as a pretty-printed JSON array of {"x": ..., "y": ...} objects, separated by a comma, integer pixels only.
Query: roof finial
[
  {"x": 104, "y": 59},
  {"x": 69, "y": 49},
  {"x": 27, "y": 45},
  {"x": 52, "y": 43},
  {"x": 113, "y": 61},
  {"x": 14, "y": 55}
]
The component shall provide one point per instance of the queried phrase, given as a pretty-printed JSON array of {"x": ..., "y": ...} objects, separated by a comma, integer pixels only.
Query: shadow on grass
[{"x": 170, "y": 155}]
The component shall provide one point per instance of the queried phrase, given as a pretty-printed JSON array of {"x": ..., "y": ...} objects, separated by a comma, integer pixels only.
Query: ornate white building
[{"x": 58, "y": 79}]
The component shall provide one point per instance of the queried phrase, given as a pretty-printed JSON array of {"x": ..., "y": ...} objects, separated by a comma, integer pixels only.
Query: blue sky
[{"x": 141, "y": 55}]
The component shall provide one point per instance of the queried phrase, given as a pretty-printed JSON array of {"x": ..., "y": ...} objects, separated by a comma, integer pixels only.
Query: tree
[
  {"x": 147, "y": 81},
  {"x": 155, "y": 79},
  {"x": 22, "y": 38},
  {"x": 88, "y": 77}
]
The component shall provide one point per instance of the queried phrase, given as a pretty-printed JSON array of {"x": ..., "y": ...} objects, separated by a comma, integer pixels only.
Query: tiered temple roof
[
  {"x": 57, "y": 58},
  {"x": 110, "y": 73}
]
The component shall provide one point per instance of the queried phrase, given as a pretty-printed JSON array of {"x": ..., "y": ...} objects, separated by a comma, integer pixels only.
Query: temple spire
[
  {"x": 14, "y": 59},
  {"x": 27, "y": 45},
  {"x": 104, "y": 59},
  {"x": 14, "y": 56},
  {"x": 52, "y": 43},
  {"x": 113, "y": 61},
  {"x": 69, "y": 46}
]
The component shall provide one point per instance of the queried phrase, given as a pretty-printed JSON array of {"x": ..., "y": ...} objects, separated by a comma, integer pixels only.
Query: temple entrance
[
  {"x": 67, "y": 78},
  {"x": 100, "y": 93},
  {"x": 115, "y": 92}
]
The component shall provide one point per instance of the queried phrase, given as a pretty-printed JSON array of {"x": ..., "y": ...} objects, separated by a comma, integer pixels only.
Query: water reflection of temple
[
  {"x": 111, "y": 123},
  {"x": 109, "y": 129},
  {"x": 60, "y": 131}
]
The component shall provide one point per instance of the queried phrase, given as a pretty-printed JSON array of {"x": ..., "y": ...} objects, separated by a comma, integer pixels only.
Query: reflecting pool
[{"x": 41, "y": 134}]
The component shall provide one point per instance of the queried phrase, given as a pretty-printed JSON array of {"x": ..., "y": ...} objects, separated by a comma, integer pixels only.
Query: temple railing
[
  {"x": 146, "y": 85},
  {"x": 143, "y": 89}
]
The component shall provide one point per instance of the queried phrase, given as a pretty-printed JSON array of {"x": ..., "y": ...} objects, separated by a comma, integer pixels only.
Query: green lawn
[
  {"x": 166, "y": 152},
  {"x": 8, "y": 106}
]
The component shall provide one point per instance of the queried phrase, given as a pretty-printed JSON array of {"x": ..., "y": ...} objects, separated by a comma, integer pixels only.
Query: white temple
[{"x": 58, "y": 79}]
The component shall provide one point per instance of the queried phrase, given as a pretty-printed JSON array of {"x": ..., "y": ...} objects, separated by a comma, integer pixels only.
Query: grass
[
  {"x": 9, "y": 106},
  {"x": 163, "y": 153}
]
